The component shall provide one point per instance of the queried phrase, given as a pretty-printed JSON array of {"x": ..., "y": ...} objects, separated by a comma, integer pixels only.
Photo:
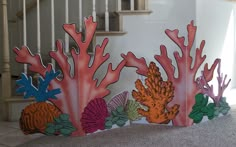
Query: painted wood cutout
[
  {"x": 74, "y": 104},
  {"x": 80, "y": 92},
  {"x": 186, "y": 84}
]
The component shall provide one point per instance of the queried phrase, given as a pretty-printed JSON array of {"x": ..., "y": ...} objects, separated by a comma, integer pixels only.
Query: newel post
[{"x": 6, "y": 73}]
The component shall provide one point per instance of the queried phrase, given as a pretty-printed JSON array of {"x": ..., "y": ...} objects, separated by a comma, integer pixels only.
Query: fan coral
[
  {"x": 156, "y": 97},
  {"x": 94, "y": 115},
  {"x": 132, "y": 110},
  {"x": 185, "y": 82},
  {"x": 80, "y": 87},
  {"x": 118, "y": 100}
]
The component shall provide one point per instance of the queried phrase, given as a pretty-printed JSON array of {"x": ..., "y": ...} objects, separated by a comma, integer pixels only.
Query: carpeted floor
[{"x": 220, "y": 132}]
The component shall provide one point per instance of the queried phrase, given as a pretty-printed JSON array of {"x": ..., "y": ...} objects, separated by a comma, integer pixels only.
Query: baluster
[
  {"x": 80, "y": 16},
  {"x": 53, "y": 30},
  {"x": 38, "y": 29},
  {"x": 106, "y": 16},
  {"x": 146, "y": 5},
  {"x": 118, "y": 5},
  {"x": 66, "y": 21},
  {"x": 94, "y": 11},
  {"x": 132, "y": 5},
  {"x": 24, "y": 31}
]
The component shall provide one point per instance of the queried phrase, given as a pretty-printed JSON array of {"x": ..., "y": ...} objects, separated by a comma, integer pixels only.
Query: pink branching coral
[
  {"x": 185, "y": 83},
  {"x": 209, "y": 91},
  {"x": 78, "y": 89}
]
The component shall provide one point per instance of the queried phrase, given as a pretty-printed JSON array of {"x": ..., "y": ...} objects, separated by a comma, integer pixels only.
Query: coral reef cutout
[
  {"x": 118, "y": 100},
  {"x": 94, "y": 115},
  {"x": 187, "y": 66},
  {"x": 155, "y": 97},
  {"x": 34, "y": 117}
]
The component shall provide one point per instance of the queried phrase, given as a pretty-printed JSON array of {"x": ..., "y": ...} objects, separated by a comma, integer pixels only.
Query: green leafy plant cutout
[
  {"x": 223, "y": 107},
  {"x": 61, "y": 125},
  {"x": 118, "y": 117},
  {"x": 201, "y": 108}
]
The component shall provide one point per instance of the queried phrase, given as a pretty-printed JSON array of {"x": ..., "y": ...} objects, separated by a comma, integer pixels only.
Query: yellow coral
[{"x": 155, "y": 97}]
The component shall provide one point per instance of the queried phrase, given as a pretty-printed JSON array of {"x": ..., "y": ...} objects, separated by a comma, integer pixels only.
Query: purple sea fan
[
  {"x": 118, "y": 100},
  {"x": 94, "y": 115}
]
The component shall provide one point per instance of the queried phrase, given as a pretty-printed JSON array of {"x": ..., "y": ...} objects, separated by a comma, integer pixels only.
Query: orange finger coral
[{"x": 155, "y": 96}]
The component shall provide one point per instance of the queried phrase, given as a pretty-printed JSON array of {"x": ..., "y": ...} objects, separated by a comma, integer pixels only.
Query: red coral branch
[
  {"x": 164, "y": 60},
  {"x": 185, "y": 83},
  {"x": 61, "y": 58},
  {"x": 133, "y": 61},
  {"x": 209, "y": 90},
  {"x": 78, "y": 88},
  {"x": 35, "y": 62}
]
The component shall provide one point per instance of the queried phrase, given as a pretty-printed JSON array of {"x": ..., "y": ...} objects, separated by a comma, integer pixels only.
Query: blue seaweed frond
[{"x": 41, "y": 93}]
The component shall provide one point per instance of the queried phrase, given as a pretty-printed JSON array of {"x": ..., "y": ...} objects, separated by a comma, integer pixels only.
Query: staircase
[{"x": 15, "y": 104}]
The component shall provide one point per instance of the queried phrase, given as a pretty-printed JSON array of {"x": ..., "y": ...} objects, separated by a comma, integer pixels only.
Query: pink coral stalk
[
  {"x": 185, "y": 83},
  {"x": 77, "y": 90},
  {"x": 209, "y": 90}
]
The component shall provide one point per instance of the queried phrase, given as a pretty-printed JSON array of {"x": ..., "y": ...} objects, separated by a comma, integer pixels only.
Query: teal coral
[
  {"x": 41, "y": 93},
  {"x": 118, "y": 117},
  {"x": 61, "y": 125},
  {"x": 222, "y": 108},
  {"x": 201, "y": 108}
]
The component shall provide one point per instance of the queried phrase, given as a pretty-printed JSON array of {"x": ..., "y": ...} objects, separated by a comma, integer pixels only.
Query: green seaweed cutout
[
  {"x": 61, "y": 125},
  {"x": 118, "y": 117},
  {"x": 41, "y": 93},
  {"x": 223, "y": 107},
  {"x": 201, "y": 108}
]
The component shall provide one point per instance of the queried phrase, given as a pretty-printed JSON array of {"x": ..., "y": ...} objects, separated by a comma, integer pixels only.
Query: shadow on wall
[{"x": 228, "y": 56}]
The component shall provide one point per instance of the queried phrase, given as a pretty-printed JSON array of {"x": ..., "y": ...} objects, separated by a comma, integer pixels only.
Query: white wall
[
  {"x": 216, "y": 25},
  {"x": 145, "y": 35}
]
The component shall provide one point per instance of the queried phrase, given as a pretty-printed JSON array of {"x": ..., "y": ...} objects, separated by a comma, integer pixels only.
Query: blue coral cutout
[{"x": 41, "y": 93}]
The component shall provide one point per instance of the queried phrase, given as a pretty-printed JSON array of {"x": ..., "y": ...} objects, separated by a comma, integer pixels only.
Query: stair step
[
  {"x": 19, "y": 99},
  {"x": 110, "y": 33},
  {"x": 134, "y": 12}
]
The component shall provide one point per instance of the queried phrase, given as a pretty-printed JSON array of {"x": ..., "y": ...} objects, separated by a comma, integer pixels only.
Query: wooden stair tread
[
  {"x": 110, "y": 33},
  {"x": 19, "y": 99},
  {"x": 134, "y": 12}
]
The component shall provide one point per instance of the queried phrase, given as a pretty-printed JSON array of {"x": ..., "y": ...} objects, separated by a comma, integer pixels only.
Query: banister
[{"x": 29, "y": 7}]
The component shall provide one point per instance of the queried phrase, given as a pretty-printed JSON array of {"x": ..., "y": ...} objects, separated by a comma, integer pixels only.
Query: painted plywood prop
[{"x": 73, "y": 104}]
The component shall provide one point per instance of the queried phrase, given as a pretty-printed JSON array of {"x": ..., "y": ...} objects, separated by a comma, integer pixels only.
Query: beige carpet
[{"x": 220, "y": 132}]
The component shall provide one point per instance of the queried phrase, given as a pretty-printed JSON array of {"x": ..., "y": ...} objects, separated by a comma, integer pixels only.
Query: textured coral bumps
[
  {"x": 155, "y": 97},
  {"x": 185, "y": 83},
  {"x": 80, "y": 87},
  {"x": 80, "y": 98},
  {"x": 36, "y": 116}
]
